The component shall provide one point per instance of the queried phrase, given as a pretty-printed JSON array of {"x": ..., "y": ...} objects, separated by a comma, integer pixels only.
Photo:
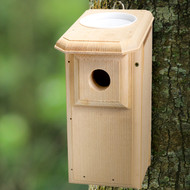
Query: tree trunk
[{"x": 170, "y": 168}]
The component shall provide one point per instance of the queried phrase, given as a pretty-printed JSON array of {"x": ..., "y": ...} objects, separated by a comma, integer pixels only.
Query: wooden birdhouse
[{"x": 109, "y": 79}]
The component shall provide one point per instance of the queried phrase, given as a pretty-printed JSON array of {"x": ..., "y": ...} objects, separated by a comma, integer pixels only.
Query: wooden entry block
[{"x": 88, "y": 93}]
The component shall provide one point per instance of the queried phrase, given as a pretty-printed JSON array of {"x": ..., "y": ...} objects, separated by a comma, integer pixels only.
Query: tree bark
[{"x": 170, "y": 168}]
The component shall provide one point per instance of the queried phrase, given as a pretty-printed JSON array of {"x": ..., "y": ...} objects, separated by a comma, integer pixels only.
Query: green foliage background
[{"x": 33, "y": 144}]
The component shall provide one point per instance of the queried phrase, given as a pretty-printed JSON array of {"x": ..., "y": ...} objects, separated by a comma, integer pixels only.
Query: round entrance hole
[{"x": 100, "y": 79}]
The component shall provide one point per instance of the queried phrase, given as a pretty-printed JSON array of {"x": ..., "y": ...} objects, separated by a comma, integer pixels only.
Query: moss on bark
[{"x": 170, "y": 167}]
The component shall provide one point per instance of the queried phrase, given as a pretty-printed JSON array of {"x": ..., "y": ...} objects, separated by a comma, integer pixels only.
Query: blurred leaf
[
  {"x": 14, "y": 134},
  {"x": 52, "y": 99},
  {"x": 59, "y": 12},
  {"x": 11, "y": 73}
]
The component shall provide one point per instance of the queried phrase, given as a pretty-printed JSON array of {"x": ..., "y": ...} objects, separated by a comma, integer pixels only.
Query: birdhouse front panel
[
  {"x": 99, "y": 136},
  {"x": 108, "y": 75}
]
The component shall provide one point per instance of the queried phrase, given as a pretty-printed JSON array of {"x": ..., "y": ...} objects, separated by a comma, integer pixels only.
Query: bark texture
[{"x": 170, "y": 167}]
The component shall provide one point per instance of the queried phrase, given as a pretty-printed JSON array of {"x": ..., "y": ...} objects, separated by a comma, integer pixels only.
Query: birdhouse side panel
[
  {"x": 146, "y": 103},
  {"x": 137, "y": 68}
]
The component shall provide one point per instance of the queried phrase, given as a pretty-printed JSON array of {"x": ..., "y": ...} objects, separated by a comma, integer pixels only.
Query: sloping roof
[{"x": 86, "y": 40}]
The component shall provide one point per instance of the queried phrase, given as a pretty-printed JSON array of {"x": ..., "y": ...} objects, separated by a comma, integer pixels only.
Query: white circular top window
[{"x": 108, "y": 20}]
